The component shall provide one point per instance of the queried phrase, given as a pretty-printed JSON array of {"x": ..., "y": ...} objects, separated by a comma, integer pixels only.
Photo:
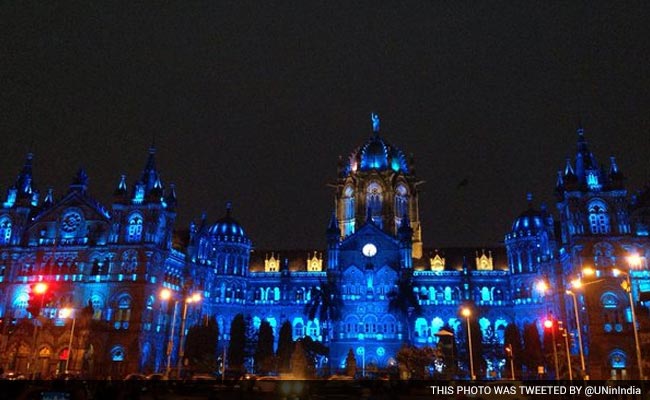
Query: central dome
[{"x": 377, "y": 154}]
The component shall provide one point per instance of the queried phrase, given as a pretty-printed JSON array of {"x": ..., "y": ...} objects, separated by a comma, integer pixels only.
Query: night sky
[{"x": 253, "y": 102}]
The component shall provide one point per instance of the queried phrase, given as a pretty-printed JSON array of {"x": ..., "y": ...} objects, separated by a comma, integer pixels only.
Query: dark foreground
[{"x": 317, "y": 390}]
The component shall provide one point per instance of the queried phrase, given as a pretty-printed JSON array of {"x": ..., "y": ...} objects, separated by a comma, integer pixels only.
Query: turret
[{"x": 333, "y": 238}]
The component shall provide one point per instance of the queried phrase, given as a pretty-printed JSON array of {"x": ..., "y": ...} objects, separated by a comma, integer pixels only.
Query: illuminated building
[{"x": 118, "y": 259}]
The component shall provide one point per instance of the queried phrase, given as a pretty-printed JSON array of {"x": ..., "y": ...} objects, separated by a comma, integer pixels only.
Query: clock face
[
  {"x": 369, "y": 250},
  {"x": 70, "y": 221}
]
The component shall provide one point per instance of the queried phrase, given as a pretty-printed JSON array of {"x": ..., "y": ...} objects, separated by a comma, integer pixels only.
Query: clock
[
  {"x": 70, "y": 221},
  {"x": 369, "y": 250}
]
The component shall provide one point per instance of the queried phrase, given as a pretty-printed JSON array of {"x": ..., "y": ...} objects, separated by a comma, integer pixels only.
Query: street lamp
[
  {"x": 67, "y": 313},
  {"x": 466, "y": 312},
  {"x": 40, "y": 289},
  {"x": 166, "y": 294},
  {"x": 549, "y": 324},
  {"x": 628, "y": 288},
  {"x": 508, "y": 349},
  {"x": 565, "y": 335},
  {"x": 195, "y": 298},
  {"x": 577, "y": 284}
]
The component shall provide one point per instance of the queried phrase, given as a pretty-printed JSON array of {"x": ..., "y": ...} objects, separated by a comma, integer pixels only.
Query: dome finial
[
  {"x": 375, "y": 122},
  {"x": 529, "y": 198},
  {"x": 228, "y": 208}
]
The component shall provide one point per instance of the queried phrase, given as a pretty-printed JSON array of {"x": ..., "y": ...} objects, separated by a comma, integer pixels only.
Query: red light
[
  {"x": 40, "y": 288},
  {"x": 548, "y": 324}
]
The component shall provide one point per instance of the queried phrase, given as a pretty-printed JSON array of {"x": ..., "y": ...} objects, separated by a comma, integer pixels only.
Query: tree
[
  {"x": 264, "y": 357},
  {"x": 237, "y": 346},
  {"x": 201, "y": 346},
  {"x": 532, "y": 353},
  {"x": 448, "y": 350},
  {"x": 417, "y": 360},
  {"x": 313, "y": 351},
  {"x": 403, "y": 302},
  {"x": 326, "y": 305},
  {"x": 299, "y": 362},
  {"x": 285, "y": 347},
  {"x": 512, "y": 338},
  {"x": 350, "y": 364}
]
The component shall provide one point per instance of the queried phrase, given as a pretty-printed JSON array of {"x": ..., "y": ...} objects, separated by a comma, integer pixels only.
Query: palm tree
[
  {"x": 326, "y": 305},
  {"x": 404, "y": 302}
]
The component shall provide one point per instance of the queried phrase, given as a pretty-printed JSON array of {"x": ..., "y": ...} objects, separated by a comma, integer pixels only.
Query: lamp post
[
  {"x": 195, "y": 298},
  {"x": 550, "y": 324},
  {"x": 628, "y": 289},
  {"x": 67, "y": 313},
  {"x": 466, "y": 312},
  {"x": 165, "y": 295},
  {"x": 583, "y": 370},
  {"x": 512, "y": 363},
  {"x": 565, "y": 335},
  {"x": 40, "y": 289}
]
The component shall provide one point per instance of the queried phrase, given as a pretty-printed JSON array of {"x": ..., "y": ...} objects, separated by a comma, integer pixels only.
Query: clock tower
[{"x": 373, "y": 237}]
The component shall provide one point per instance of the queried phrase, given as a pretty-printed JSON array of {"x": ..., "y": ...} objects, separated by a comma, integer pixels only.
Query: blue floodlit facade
[{"x": 119, "y": 258}]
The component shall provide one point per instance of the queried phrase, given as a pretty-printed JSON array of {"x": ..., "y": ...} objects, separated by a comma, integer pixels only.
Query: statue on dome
[{"x": 375, "y": 122}]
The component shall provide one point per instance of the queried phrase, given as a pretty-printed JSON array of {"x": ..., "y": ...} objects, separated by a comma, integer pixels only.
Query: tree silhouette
[
  {"x": 326, "y": 305},
  {"x": 285, "y": 347},
  {"x": 237, "y": 346},
  {"x": 533, "y": 356},
  {"x": 403, "y": 302},
  {"x": 201, "y": 346},
  {"x": 264, "y": 357},
  {"x": 512, "y": 337}
]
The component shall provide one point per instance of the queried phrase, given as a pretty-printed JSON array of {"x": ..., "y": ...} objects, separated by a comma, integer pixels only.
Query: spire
[
  {"x": 121, "y": 186},
  {"x": 24, "y": 182},
  {"x": 559, "y": 182},
  {"x": 529, "y": 199},
  {"x": 374, "y": 118},
  {"x": 49, "y": 198},
  {"x": 615, "y": 174},
  {"x": 228, "y": 209},
  {"x": 333, "y": 231},
  {"x": 150, "y": 174},
  {"x": 171, "y": 196},
  {"x": 568, "y": 169},
  {"x": 80, "y": 181}
]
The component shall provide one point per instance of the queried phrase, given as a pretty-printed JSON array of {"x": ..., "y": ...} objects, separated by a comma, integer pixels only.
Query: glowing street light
[
  {"x": 466, "y": 312},
  {"x": 627, "y": 286},
  {"x": 67, "y": 313},
  {"x": 194, "y": 298},
  {"x": 550, "y": 324},
  {"x": 542, "y": 286},
  {"x": 40, "y": 288},
  {"x": 165, "y": 295},
  {"x": 588, "y": 271},
  {"x": 578, "y": 284}
]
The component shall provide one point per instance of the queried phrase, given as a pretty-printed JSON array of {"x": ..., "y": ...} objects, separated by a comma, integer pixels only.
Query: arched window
[
  {"x": 617, "y": 359},
  {"x": 5, "y": 231},
  {"x": 117, "y": 354},
  {"x": 598, "y": 217},
  {"x": 298, "y": 330},
  {"x": 123, "y": 315},
  {"x": 98, "y": 305},
  {"x": 134, "y": 228},
  {"x": 401, "y": 203},
  {"x": 348, "y": 211},
  {"x": 485, "y": 294},
  {"x": 20, "y": 305},
  {"x": 448, "y": 294},
  {"x": 374, "y": 200}
]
